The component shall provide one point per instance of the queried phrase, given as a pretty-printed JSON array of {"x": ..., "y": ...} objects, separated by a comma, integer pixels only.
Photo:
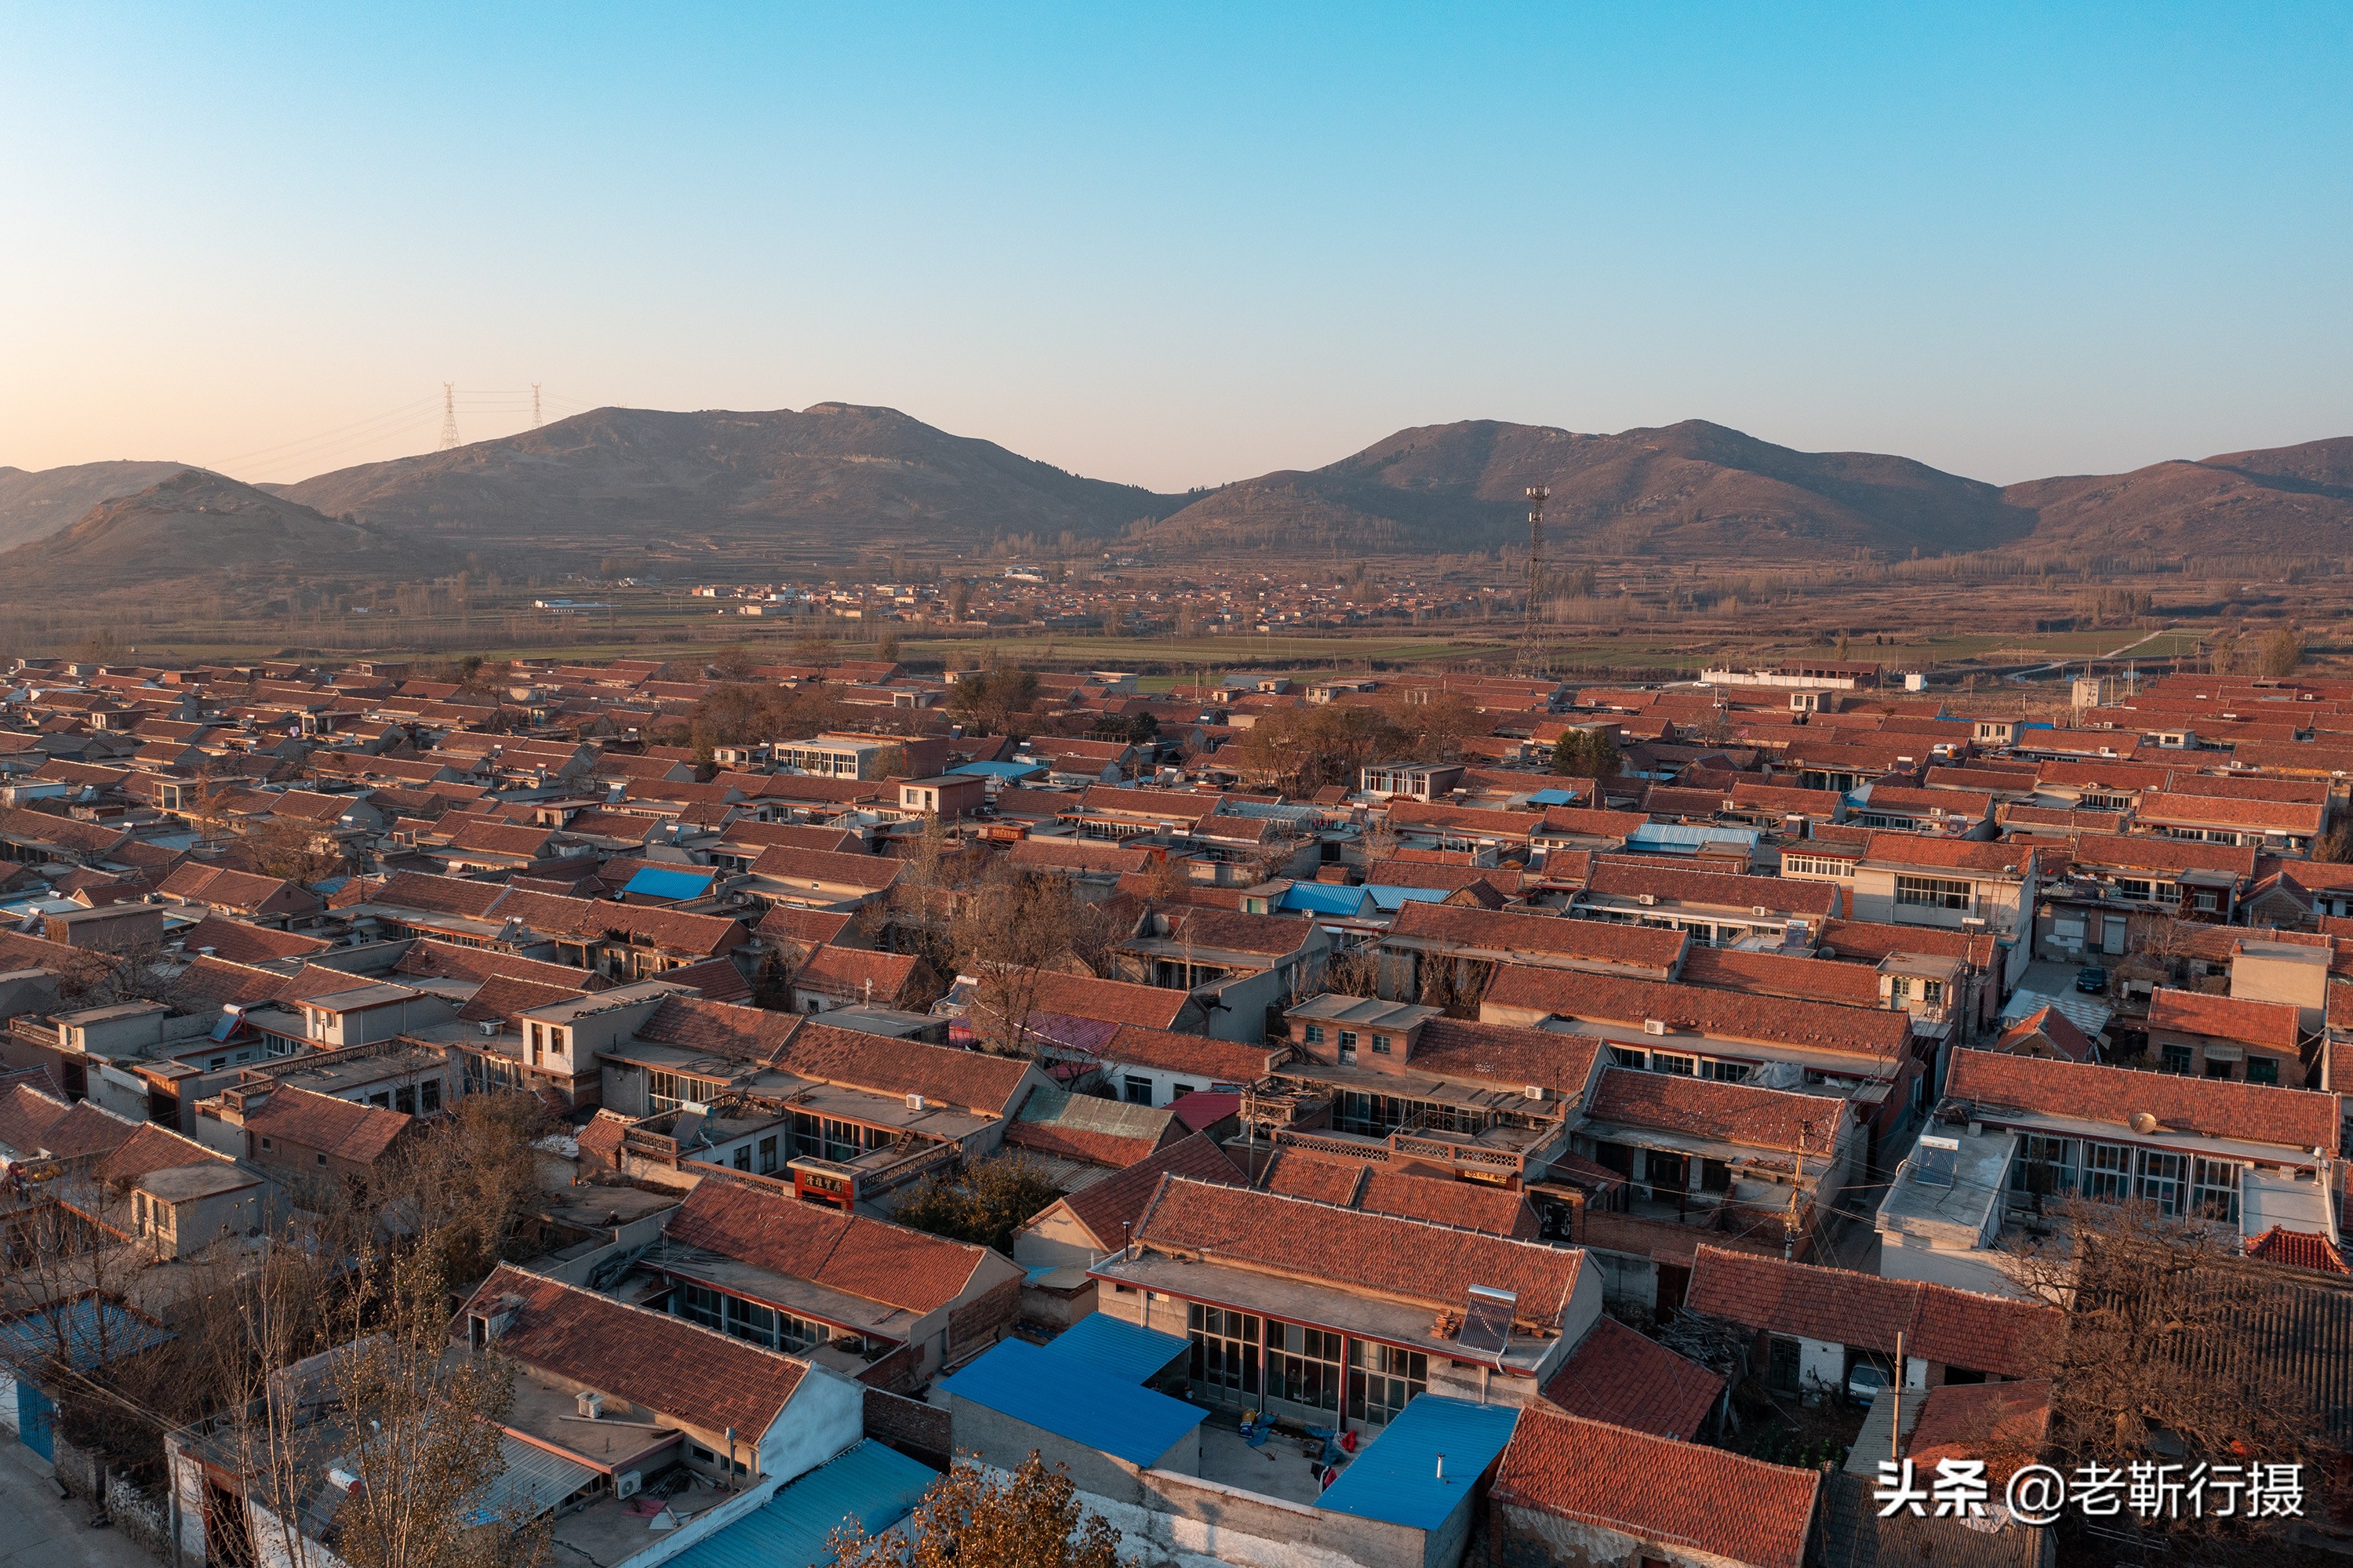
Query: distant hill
[
  {"x": 1683, "y": 490},
  {"x": 36, "y": 505},
  {"x": 197, "y": 526},
  {"x": 829, "y": 474},
  {"x": 2286, "y": 501},
  {"x": 816, "y": 484}
]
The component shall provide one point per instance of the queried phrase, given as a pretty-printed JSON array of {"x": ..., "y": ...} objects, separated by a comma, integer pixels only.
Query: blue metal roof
[
  {"x": 1391, "y": 899},
  {"x": 866, "y": 1482},
  {"x": 1323, "y": 897},
  {"x": 1396, "y": 1478},
  {"x": 95, "y": 1335},
  {"x": 1553, "y": 798},
  {"x": 661, "y": 882},
  {"x": 1075, "y": 1399},
  {"x": 1007, "y": 770},
  {"x": 1129, "y": 1352}
]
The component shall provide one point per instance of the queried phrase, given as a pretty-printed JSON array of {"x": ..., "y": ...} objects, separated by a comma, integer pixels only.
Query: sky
[{"x": 1179, "y": 246}]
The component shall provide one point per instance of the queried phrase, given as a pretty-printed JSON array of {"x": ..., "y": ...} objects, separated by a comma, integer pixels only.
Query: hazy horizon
[{"x": 1179, "y": 250}]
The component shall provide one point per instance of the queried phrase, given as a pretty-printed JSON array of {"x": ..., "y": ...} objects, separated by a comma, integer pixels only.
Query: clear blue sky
[{"x": 1180, "y": 246}]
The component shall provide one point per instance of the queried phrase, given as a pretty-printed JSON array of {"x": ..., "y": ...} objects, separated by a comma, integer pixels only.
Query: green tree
[{"x": 984, "y": 1203}]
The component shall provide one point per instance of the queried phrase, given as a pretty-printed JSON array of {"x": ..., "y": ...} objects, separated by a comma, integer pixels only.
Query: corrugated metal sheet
[
  {"x": 1128, "y": 1351},
  {"x": 874, "y": 1485},
  {"x": 1389, "y": 900},
  {"x": 535, "y": 1482},
  {"x": 1075, "y": 1399},
  {"x": 1396, "y": 1478},
  {"x": 1322, "y": 898}
]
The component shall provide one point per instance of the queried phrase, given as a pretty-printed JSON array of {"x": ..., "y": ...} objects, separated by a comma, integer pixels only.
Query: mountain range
[{"x": 821, "y": 482}]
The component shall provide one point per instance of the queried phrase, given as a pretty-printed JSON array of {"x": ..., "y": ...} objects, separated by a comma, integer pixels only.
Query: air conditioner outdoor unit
[
  {"x": 592, "y": 1405},
  {"x": 627, "y": 1483},
  {"x": 1534, "y": 1091},
  {"x": 914, "y": 1102},
  {"x": 1759, "y": 909},
  {"x": 1647, "y": 897},
  {"x": 1655, "y": 1026},
  {"x": 490, "y": 1028}
]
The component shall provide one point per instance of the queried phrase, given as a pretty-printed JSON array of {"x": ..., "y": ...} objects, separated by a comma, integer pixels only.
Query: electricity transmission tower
[
  {"x": 449, "y": 415},
  {"x": 1531, "y": 632},
  {"x": 534, "y": 405}
]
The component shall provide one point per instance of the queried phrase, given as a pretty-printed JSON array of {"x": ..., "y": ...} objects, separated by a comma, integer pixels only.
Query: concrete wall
[
  {"x": 826, "y": 1415},
  {"x": 1184, "y": 1522},
  {"x": 1527, "y": 1538},
  {"x": 1054, "y": 1241}
]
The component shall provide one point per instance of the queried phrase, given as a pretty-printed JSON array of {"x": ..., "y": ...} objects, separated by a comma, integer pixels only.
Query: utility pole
[
  {"x": 1531, "y": 638},
  {"x": 449, "y": 415},
  {"x": 534, "y": 405}
]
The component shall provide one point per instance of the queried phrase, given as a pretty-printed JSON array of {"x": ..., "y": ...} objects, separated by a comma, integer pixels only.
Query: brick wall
[
  {"x": 897, "y": 1372},
  {"x": 984, "y": 1318},
  {"x": 917, "y": 1430}
]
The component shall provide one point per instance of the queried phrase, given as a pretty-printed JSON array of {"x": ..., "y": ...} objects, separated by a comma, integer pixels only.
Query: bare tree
[{"x": 1011, "y": 929}]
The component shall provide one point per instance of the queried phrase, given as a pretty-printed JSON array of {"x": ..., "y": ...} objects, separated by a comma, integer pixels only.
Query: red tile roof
[
  {"x": 2254, "y": 1113},
  {"x": 1101, "y": 1207},
  {"x": 1737, "y": 1113},
  {"x": 340, "y": 1129},
  {"x": 858, "y": 972},
  {"x": 1354, "y": 1249},
  {"x": 1213, "y": 1060},
  {"x": 1620, "y": 878},
  {"x": 873, "y": 1260},
  {"x": 1963, "y": 1328},
  {"x": 1782, "y": 974},
  {"x": 242, "y": 944},
  {"x": 1729, "y": 1015},
  {"x": 2297, "y": 1249},
  {"x": 651, "y": 1359},
  {"x": 822, "y": 869},
  {"x": 1507, "y": 1054},
  {"x": 720, "y": 1028},
  {"x": 1108, "y": 1002},
  {"x": 972, "y": 1079},
  {"x": 2003, "y": 1424},
  {"x": 1655, "y": 1488},
  {"x": 1627, "y": 1379},
  {"x": 2052, "y": 1026},
  {"x": 2272, "y": 1024},
  {"x": 1551, "y": 936}
]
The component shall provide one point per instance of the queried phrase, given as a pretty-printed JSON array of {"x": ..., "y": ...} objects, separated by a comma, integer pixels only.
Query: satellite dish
[{"x": 2142, "y": 1122}]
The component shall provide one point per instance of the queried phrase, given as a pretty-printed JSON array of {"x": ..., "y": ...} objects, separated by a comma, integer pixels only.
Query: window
[
  {"x": 1932, "y": 991},
  {"x": 668, "y": 1091},
  {"x": 215, "y": 1065},
  {"x": 1899, "y": 988},
  {"x": 1225, "y": 1347},
  {"x": 1931, "y": 892},
  {"x": 381, "y": 1099},
  {"x": 1380, "y": 1044},
  {"x": 2176, "y": 1057},
  {"x": 320, "y": 1158},
  {"x": 1668, "y": 1062},
  {"x": 768, "y": 1156},
  {"x": 2107, "y": 1171},
  {"x": 2203, "y": 903},
  {"x": 825, "y": 1137},
  {"x": 1302, "y": 1365},
  {"x": 2218, "y": 1069},
  {"x": 2162, "y": 1177},
  {"x": 1381, "y": 1379},
  {"x": 699, "y": 1304},
  {"x": 1726, "y": 1072},
  {"x": 743, "y": 1158},
  {"x": 2263, "y": 1069},
  {"x": 429, "y": 1098},
  {"x": 2214, "y": 1193},
  {"x": 2045, "y": 1166},
  {"x": 404, "y": 1099},
  {"x": 1627, "y": 1057},
  {"x": 1347, "y": 1040},
  {"x": 1315, "y": 1035},
  {"x": 2133, "y": 887},
  {"x": 1138, "y": 1090}
]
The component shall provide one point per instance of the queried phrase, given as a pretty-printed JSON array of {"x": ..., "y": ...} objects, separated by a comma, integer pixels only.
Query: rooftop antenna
[
  {"x": 1529, "y": 636},
  {"x": 534, "y": 405},
  {"x": 449, "y": 415}
]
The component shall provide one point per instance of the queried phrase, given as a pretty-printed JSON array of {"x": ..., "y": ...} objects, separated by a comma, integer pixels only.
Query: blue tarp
[
  {"x": 1009, "y": 771},
  {"x": 1128, "y": 1351},
  {"x": 1074, "y": 1399},
  {"x": 1396, "y": 1478},
  {"x": 660, "y": 882},
  {"x": 874, "y": 1485},
  {"x": 1553, "y": 798},
  {"x": 95, "y": 1335}
]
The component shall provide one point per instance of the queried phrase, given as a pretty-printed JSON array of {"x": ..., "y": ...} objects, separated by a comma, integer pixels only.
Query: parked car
[
  {"x": 2093, "y": 979},
  {"x": 1863, "y": 1384}
]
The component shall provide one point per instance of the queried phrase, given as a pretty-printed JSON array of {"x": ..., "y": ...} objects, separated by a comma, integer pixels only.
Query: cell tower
[
  {"x": 449, "y": 415},
  {"x": 534, "y": 405},
  {"x": 1530, "y": 637}
]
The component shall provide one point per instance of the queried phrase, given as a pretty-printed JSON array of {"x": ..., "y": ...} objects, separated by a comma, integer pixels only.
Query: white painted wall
[{"x": 826, "y": 1415}]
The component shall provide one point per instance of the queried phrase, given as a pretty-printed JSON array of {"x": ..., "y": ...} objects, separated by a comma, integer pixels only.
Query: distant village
[{"x": 1372, "y": 1120}]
